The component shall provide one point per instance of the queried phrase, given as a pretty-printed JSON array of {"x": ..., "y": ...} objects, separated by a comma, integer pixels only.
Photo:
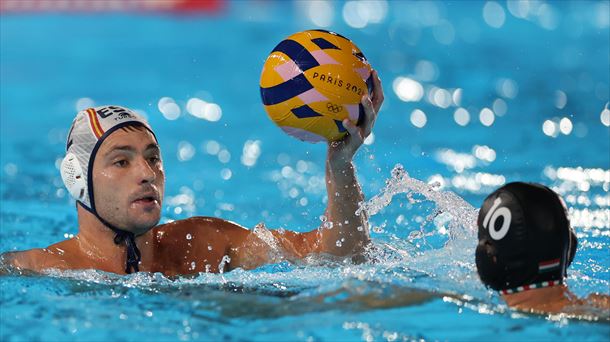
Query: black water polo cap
[{"x": 525, "y": 238}]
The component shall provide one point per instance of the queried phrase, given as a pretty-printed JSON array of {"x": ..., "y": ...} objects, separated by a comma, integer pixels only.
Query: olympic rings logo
[{"x": 333, "y": 108}]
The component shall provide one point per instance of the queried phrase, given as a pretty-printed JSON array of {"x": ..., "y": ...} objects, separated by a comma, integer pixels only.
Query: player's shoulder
[
  {"x": 197, "y": 226},
  {"x": 35, "y": 259}
]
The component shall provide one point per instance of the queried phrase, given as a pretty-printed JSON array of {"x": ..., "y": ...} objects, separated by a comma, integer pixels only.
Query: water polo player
[
  {"x": 113, "y": 168},
  {"x": 525, "y": 246}
]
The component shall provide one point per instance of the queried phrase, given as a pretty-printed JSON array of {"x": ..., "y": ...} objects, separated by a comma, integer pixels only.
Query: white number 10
[{"x": 493, "y": 214}]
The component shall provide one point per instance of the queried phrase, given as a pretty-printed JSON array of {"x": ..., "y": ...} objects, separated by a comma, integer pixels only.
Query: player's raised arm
[{"x": 344, "y": 233}]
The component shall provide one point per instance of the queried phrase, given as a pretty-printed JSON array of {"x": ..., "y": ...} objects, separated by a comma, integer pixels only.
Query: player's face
[{"x": 128, "y": 180}]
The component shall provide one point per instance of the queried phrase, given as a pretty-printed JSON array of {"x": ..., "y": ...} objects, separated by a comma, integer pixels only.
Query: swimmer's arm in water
[
  {"x": 599, "y": 300},
  {"x": 382, "y": 296},
  {"x": 32, "y": 260},
  {"x": 8, "y": 261},
  {"x": 345, "y": 233},
  {"x": 19, "y": 260}
]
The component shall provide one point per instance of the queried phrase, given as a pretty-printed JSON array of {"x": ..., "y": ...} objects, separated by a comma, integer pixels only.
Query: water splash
[
  {"x": 265, "y": 235},
  {"x": 223, "y": 263},
  {"x": 464, "y": 216},
  {"x": 449, "y": 267}
]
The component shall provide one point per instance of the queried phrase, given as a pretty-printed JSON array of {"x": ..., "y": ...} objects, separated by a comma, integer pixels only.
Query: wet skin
[
  {"x": 129, "y": 180},
  {"x": 189, "y": 246},
  {"x": 559, "y": 299}
]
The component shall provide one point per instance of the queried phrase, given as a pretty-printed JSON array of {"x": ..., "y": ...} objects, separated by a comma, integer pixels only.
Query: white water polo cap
[{"x": 89, "y": 129}]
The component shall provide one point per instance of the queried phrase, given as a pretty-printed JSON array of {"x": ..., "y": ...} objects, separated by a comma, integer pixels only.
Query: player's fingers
[
  {"x": 378, "y": 96},
  {"x": 370, "y": 115}
]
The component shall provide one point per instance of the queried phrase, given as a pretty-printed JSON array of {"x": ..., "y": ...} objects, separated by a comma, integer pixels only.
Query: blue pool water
[{"x": 508, "y": 92}]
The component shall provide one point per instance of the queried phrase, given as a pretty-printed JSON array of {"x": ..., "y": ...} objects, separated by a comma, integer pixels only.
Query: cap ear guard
[
  {"x": 572, "y": 242},
  {"x": 573, "y": 239},
  {"x": 73, "y": 177},
  {"x": 486, "y": 260}
]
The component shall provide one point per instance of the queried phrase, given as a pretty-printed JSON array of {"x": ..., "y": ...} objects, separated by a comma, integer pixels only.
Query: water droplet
[
  {"x": 225, "y": 260},
  {"x": 398, "y": 171},
  {"x": 189, "y": 236},
  {"x": 416, "y": 234},
  {"x": 339, "y": 243}
]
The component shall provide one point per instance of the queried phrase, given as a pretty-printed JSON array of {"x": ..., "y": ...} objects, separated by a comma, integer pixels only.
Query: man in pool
[
  {"x": 525, "y": 246},
  {"x": 113, "y": 168}
]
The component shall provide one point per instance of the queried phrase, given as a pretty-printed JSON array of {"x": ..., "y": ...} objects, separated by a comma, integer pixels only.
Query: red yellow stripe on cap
[{"x": 95, "y": 123}]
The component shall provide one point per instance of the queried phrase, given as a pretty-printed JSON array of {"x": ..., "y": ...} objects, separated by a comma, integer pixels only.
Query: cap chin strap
[
  {"x": 133, "y": 253},
  {"x": 531, "y": 287}
]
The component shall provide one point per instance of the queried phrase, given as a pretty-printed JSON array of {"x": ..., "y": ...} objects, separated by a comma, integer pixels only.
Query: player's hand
[{"x": 344, "y": 149}]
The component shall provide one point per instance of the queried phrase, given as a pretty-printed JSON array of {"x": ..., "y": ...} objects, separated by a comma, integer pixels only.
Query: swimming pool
[{"x": 477, "y": 94}]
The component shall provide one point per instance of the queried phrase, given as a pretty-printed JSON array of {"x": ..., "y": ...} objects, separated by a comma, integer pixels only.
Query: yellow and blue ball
[{"x": 312, "y": 81}]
